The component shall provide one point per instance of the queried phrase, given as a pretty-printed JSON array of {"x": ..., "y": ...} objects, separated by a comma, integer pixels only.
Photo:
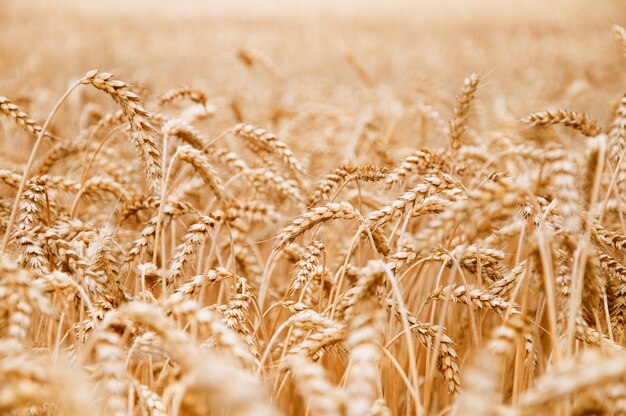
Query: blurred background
[{"x": 531, "y": 54}]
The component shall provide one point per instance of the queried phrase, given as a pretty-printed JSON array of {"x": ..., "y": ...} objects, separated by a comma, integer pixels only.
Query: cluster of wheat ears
[{"x": 204, "y": 275}]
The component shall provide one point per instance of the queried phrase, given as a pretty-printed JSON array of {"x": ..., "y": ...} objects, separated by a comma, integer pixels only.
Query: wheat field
[{"x": 361, "y": 208}]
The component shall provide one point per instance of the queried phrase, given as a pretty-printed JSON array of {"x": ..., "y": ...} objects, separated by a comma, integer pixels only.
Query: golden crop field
[{"x": 356, "y": 208}]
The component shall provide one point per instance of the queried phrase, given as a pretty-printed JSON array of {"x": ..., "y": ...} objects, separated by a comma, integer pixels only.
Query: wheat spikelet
[
  {"x": 19, "y": 298},
  {"x": 307, "y": 266},
  {"x": 137, "y": 117},
  {"x": 617, "y": 291},
  {"x": 617, "y": 131},
  {"x": 458, "y": 124},
  {"x": 178, "y": 128},
  {"x": 235, "y": 316},
  {"x": 286, "y": 187},
  {"x": 342, "y": 175},
  {"x": 96, "y": 186},
  {"x": 230, "y": 159},
  {"x": 503, "y": 286},
  {"x": 146, "y": 236},
  {"x": 253, "y": 211},
  {"x": 31, "y": 207},
  {"x": 13, "y": 180},
  {"x": 418, "y": 161},
  {"x": 471, "y": 258},
  {"x": 134, "y": 204},
  {"x": 562, "y": 174},
  {"x": 308, "y": 220},
  {"x": 427, "y": 334},
  {"x": 10, "y": 178},
  {"x": 196, "y": 234},
  {"x": 200, "y": 163},
  {"x": 269, "y": 141},
  {"x": 472, "y": 297},
  {"x": 21, "y": 118},
  {"x": 608, "y": 237},
  {"x": 192, "y": 286},
  {"x": 327, "y": 332},
  {"x": 429, "y": 186},
  {"x": 578, "y": 121},
  {"x": 194, "y": 94}
]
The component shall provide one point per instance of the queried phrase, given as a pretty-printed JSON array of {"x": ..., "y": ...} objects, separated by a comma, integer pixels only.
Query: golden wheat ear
[{"x": 578, "y": 121}]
